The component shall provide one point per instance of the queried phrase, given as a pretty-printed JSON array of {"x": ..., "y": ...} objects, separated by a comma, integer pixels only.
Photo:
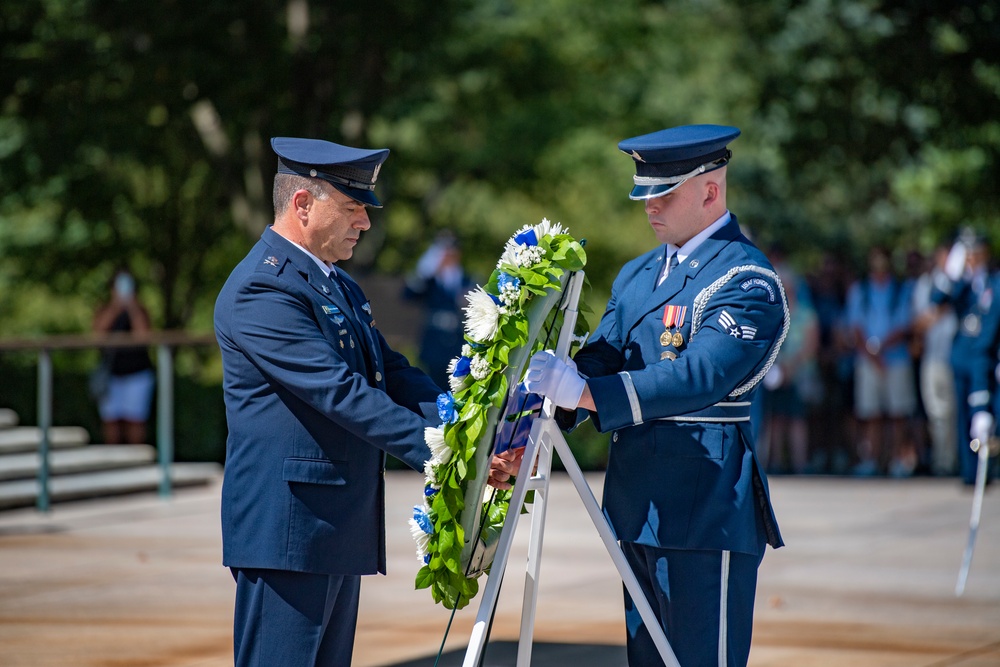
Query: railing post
[
  {"x": 44, "y": 425},
  {"x": 165, "y": 414}
]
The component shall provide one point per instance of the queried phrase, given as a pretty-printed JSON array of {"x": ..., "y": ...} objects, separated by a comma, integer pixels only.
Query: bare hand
[{"x": 503, "y": 467}]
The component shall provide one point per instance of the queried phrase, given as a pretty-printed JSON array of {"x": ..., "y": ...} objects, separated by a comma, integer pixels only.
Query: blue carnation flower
[
  {"x": 527, "y": 237},
  {"x": 424, "y": 521},
  {"x": 505, "y": 279},
  {"x": 427, "y": 559},
  {"x": 462, "y": 367},
  {"x": 430, "y": 491},
  {"x": 446, "y": 408}
]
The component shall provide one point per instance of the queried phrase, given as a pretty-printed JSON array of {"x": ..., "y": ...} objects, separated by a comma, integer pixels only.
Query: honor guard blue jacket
[
  {"x": 672, "y": 370},
  {"x": 315, "y": 399}
]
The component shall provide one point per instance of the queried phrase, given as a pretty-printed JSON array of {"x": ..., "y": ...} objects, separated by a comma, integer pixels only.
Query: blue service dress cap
[
  {"x": 353, "y": 171},
  {"x": 665, "y": 159}
]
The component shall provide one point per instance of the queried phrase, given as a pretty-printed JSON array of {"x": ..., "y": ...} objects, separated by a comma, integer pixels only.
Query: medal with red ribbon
[{"x": 673, "y": 318}]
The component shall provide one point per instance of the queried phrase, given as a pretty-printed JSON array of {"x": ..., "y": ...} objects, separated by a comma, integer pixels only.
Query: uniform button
[
  {"x": 378, "y": 376},
  {"x": 614, "y": 437}
]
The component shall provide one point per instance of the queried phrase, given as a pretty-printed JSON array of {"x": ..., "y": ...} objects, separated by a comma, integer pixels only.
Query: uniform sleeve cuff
[{"x": 614, "y": 409}]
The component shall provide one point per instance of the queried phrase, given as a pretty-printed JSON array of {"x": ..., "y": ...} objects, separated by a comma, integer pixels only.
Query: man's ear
[
  {"x": 712, "y": 193},
  {"x": 302, "y": 201}
]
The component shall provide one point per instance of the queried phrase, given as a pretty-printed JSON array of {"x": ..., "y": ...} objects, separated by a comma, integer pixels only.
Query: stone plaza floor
[{"x": 867, "y": 579}]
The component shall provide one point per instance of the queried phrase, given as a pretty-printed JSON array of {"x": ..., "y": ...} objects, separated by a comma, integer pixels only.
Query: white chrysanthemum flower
[
  {"x": 545, "y": 228},
  {"x": 421, "y": 538},
  {"x": 455, "y": 383},
  {"x": 510, "y": 254},
  {"x": 466, "y": 350},
  {"x": 481, "y": 316},
  {"x": 440, "y": 451},
  {"x": 480, "y": 367}
]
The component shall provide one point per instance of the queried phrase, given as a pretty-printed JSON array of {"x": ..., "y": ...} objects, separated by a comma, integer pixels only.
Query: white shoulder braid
[{"x": 701, "y": 303}]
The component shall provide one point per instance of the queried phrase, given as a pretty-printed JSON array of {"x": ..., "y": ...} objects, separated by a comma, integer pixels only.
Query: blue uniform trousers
[
  {"x": 964, "y": 369},
  {"x": 294, "y": 619},
  {"x": 703, "y": 599}
]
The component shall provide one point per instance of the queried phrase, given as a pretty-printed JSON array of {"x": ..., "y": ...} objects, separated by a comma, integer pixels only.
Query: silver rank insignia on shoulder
[
  {"x": 744, "y": 331},
  {"x": 367, "y": 308}
]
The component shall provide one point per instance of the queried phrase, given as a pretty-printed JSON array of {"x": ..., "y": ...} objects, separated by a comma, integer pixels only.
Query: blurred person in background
[
  {"x": 936, "y": 325},
  {"x": 123, "y": 384},
  {"x": 832, "y": 426},
  {"x": 880, "y": 316},
  {"x": 967, "y": 284},
  {"x": 440, "y": 284},
  {"x": 792, "y": 385}
]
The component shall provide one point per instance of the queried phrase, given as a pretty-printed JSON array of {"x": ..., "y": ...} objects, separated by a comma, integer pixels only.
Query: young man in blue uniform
[
  {"x": 690, "y": 330},
  {"x": 315, "y": 399}
]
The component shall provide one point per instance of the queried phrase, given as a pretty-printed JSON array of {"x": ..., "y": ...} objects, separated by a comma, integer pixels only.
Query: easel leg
[
  {"x": 491, "y": 592},
  {"x": 540, "y": 483}
]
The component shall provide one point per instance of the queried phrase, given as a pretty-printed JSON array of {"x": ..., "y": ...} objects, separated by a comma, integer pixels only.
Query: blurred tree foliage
[{"x": 138, "y": 133}]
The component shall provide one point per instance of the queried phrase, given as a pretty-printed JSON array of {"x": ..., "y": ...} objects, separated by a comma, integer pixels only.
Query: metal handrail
[{"x": 164, "y": 341}]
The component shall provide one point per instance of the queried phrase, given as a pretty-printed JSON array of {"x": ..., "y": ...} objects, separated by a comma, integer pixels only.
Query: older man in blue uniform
[
  {"x": 315, "y": 399},
  {"x": 690, "y": 330}
]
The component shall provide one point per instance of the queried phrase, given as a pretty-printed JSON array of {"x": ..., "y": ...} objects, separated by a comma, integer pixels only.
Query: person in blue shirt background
[{"x": 880, "y": 317}]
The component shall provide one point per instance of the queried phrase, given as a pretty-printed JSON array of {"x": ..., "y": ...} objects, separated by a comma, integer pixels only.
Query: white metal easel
[{"x": 544, "y": 438}]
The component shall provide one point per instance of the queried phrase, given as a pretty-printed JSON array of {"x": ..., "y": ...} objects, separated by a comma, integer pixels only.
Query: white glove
[
  {"x": 954, "y": 265},
  {"x": 430, "y": 261},
  {"x": 982, "y": 427},
  {"x": 555, "y": 379},
  {"x": 774, "y": 378}
]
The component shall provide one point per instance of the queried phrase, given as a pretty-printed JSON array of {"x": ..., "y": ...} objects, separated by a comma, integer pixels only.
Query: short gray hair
[{"x": 286, "y": 185}]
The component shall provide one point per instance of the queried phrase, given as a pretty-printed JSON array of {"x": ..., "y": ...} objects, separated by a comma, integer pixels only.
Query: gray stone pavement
[{"x": 867, "y": 580}]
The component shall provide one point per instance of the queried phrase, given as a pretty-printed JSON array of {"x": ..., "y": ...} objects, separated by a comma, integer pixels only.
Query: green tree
[{"x": 881, "y": 114}]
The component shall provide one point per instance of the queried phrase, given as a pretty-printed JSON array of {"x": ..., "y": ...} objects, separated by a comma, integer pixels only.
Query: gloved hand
[
  {"x": 555, "y": 379},
  {"x": 954, "y": 265},
  {"x": 982, "y": 427}
]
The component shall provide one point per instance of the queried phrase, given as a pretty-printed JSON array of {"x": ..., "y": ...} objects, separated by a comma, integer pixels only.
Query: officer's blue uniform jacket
[
  {"x": 315, "y": 399},
  {"x": 985, "y": 355},
  {"x": 682, "y": 470}
]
